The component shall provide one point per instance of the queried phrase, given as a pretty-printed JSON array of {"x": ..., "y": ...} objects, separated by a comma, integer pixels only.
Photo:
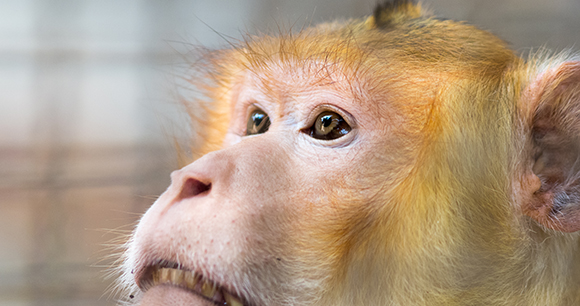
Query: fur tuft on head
[{"x": 392, "y": 12}]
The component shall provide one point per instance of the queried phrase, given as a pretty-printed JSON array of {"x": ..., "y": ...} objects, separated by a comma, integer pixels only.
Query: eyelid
[
  {"x": 254, "y": 106},
  {"x": 319, "y": 109}
]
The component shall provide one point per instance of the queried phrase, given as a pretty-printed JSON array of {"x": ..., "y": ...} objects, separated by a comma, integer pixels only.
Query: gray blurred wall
[{"x": 87, "y": 100}]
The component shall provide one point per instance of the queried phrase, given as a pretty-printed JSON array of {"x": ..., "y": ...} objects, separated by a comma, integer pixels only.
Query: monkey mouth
[{"x": 174, "y": 275}]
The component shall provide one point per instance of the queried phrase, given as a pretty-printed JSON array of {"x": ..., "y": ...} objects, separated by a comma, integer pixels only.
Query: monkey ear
[{"x": 553, "y": 101}]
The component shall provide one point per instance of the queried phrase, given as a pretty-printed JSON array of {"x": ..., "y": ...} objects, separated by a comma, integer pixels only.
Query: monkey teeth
[{"x": 191, "y": 281}]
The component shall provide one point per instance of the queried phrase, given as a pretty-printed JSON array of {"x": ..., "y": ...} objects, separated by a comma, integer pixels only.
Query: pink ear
[{"x": 556, "y": 147}]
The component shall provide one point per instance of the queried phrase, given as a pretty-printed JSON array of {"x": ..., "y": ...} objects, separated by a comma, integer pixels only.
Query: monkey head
[{"x": 399, "y": 159}]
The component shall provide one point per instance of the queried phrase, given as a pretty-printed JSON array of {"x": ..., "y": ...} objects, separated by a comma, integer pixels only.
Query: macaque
[{"x": 399, "y": 159}]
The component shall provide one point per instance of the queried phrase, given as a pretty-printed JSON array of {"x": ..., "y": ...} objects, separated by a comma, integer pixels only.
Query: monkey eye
[
  {"x": 258, "y": 122},
  {"x": 328, "y": 126}
]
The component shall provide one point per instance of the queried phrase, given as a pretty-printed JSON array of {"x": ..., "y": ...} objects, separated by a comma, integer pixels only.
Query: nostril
[{"x": 192, "y": 187}]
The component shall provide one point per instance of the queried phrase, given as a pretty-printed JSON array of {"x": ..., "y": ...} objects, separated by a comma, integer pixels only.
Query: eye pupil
[
  {"x": 326, "y": 121},
  {"x": 258, "y": 122},
  {"x": 257, "y": 118},
  {"x": 328, "y": 126}
]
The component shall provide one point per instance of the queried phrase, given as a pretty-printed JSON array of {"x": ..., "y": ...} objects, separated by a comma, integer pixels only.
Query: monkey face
[{"x": 294, "y": 164}]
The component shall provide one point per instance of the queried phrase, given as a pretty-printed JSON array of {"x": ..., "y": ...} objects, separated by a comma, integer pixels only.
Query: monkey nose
[{"x": 186, "y": 185}]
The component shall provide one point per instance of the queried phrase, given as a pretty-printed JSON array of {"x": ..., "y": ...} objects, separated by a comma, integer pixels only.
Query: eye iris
[
  {"x": 328, "y": 126},
  {"x": 258, "y": 123}
]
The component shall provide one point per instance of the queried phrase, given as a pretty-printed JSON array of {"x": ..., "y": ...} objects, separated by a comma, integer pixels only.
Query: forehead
[
  {"x": 339, "y": 53},
  {"x": 306, "y": 77},
  {"x": 330, "y": 69}
]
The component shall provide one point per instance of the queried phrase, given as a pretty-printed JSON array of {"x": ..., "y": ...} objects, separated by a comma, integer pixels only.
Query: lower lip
[{"x": 167, "y": 295}]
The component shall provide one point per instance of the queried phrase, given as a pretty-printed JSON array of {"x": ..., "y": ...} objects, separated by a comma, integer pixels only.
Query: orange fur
[{"x": 456, "y": 186}]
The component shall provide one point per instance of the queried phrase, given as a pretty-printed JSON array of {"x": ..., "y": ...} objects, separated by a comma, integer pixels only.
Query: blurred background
[{"x": 89, "y": 104}]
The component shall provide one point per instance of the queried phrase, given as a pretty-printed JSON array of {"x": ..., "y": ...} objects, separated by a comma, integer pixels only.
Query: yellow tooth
[
  {"x": 177, "y": 276},
  {"x": 232, "y": 301},
  {"x": 164, "y": 275},
  {"x": 155, "y": 277},
  {"x": 208, "y": 290},
  {"x": 190, "y": 280}
]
